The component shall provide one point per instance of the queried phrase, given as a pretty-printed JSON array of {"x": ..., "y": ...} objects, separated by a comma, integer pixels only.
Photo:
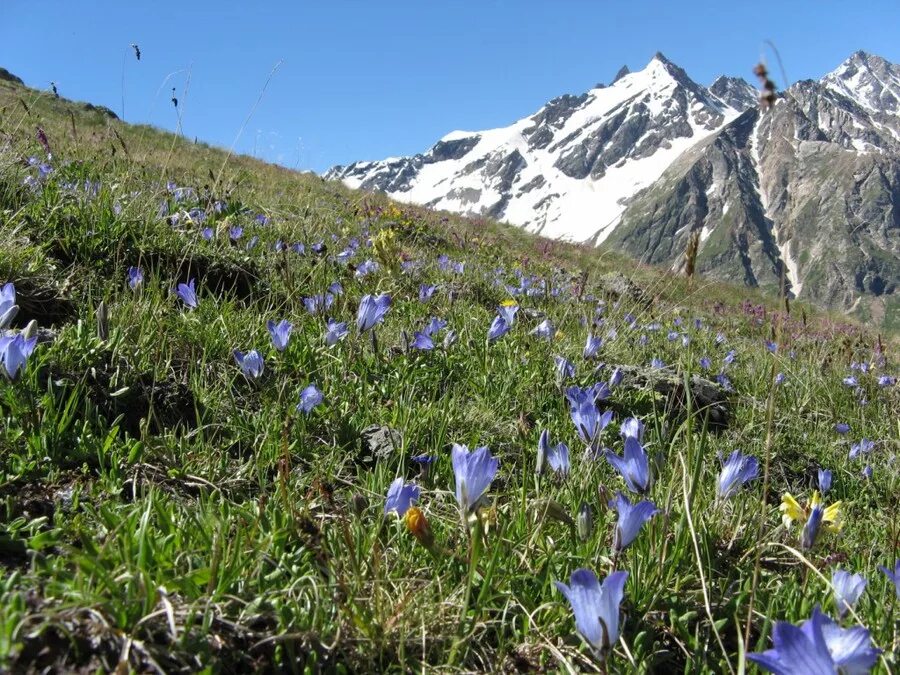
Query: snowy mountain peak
[
  {"x": 735, "y": 92},
  {"x": 623, "y": 71},
  {"x": 869, "y": 80}
]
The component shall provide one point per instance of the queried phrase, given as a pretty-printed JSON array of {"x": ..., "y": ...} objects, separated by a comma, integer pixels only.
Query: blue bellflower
[
  {"x": 592, "y": 345},
  {"x": 335, "y": 331},
  {"x": 498, "y": 328},
  {"x": 737, "y": 470},
  {"x": 596, "y": 607},
  {"x": 474, "y": 472},
  {"x": 824, "y": 480},
  {"x": 371, "y": 311},
  {"x": 8, "y": 306},
  {"x": 310, "y": 397},
  {"x": 634, "y": 466},
  {"x": 135, "y": 277},
  {"x": 893, "y": 577},
  {"x": 188, "y": 294},
  {"x": 280, "y": 332},
  {"x": 557, "y": 456},
  {"x": 251, "y": 363},
  {"x": 14, "y": 352},
  {"x": 422, "y": 341},
  {"x": 847, "y": 590},
  {"x": 819, "y": 645},
  {"x": 631, "y": 519},
  {"x": 400, "y": 497},
  {"x": 544, "y": 330}
]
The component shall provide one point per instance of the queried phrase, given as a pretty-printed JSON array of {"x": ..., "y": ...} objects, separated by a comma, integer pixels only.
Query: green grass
[{"x": 159, "y": 510}]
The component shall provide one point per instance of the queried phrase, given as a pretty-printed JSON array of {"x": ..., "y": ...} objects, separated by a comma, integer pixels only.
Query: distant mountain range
[{"x": 809, "y": 189}]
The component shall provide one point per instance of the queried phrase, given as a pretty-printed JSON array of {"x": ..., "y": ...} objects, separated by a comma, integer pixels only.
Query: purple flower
[
  {"x": 280, "y": 332},
  {"x": 616, "y": 378},
  {"x": 632, "y": 427},
  {"x": 508, "y": 313},
  {"x": 864, "y": 447},
  {"x": 818, "y": 646},
  {"x": 366, "y": 267},
  {"x": 737, "y": 470},
  {"x": 310, "y": 397},
  {"x": 14, "y": 352},
  {"x": 262, "y": 219},
  {"x": 335, "y": 288},
  {"x": 251, "y": 363},
  {"x": 811, "y": 528},
  {"x": 720, "y": 338},
  {"x": 317, "y": 304},
  {"x": 886, "y": 381},
  {"x": 135, "y": 279},
  {"x": 771, "y": 346},
  {"x": 188, "y": 294},
  {"x": 498, "y": 328},
  {"x": 565, "y": 369},
  {"x": 631, "y": 519},
  {"x": 847, "y": 590},
  {"x": 824, "y": 480},
  {"x": 557, "y": 456},
  {"x": 207, "y": 233},
  {"x": 657, "y": 363},
  {"x": 426, "y": 291},
  {"x": 851, "y": 381},
  {"x": 867, "y": 472},
  {"x": 724, "y": 382},
  {"x": 422, "y": 341},
  {"x": 588, "y": 420},
  {"x": 779, "y": 378},
  {"x": 705, "y": 363},
  {"x": 893, "y": 577},
  {"x": 236, "y": 232},
  {"x": 474, "y": 472},
  {"x": 596, "y": 607},
  {"x": 544, "y": 330},
  {"x": 335, "y": 332},
  {"x": 592, "y": 345},
  {"x": 400, "y": 497},
  {"x": 371, "y": 311},
  {"x": 730, "y": 357},
  {"x": 435, "y": 326},
  {"x": 634, "y": 467},
  {"x": 842, "y": 428},
  {"x": 8, "y": 306}
]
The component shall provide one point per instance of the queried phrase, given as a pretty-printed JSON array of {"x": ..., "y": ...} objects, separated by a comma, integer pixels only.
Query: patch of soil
[
  {"x": 216, "y": 276},
  {"x": 46, "y": 304}
]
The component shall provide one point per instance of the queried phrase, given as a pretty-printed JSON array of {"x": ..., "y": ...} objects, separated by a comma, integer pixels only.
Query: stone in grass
[
  {"x": 706, "y": 396},
  {"x": 620, "y": 287},
  {"x": 379, "y": 443}
]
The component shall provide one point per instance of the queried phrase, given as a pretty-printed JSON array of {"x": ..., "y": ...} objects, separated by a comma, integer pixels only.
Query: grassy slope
[{"x": 225, "y": 529}]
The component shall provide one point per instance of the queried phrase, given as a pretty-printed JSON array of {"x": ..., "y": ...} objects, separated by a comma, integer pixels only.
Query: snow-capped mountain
[
  {"x": 566, "y": 170},
  {"x": 809, "y": 190}
]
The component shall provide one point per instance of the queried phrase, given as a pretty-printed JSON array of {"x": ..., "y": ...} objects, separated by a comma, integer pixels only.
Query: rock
[
  {"x": 707, "y": 397},
  {"x": 7, "y": 76},
  {"x": 379, "y": 442},
  {"x": 619, "y": 287}
]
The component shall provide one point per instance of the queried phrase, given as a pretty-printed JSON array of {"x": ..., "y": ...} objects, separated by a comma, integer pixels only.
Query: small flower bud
[{"x": 584, "y": 521}]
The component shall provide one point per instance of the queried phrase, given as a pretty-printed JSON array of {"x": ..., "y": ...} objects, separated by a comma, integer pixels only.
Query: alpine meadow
[{"x": 254, "y": 420}]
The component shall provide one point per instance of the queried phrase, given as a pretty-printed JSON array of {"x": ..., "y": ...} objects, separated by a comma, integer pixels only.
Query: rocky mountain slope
[{"x": 808, "y": 192}]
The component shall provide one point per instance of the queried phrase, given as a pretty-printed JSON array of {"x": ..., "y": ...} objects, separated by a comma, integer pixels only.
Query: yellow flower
[
  {"x": 791, "y": 511},
  {"x": 417, "y": 524},
  {"x": 509, "y": 303}
]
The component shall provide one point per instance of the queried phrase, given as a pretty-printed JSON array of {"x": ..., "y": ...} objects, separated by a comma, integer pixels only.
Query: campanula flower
[
  {"x": 705, "y": 363},
  {"x": 280, "y": 332},
  {"x": 135, "y": 277},
  {"x": 592, "y": 345},
  {"x": 819, "y": 645},
  {"x": 508, "y": 310},
  {"x": 565, "y": 369},
  {"x": 435, "y": 326},
  {"x": 498, "y": 328},
  {"x": 632, "y": 427},
  {"x": 616, "y": 378},
  {"x": 867, "y": 472},
  {"x": 335, "y": 288},
  {"x": 474, "y": 472},
  {"x": 634, "y": 466},
  {"x": 251, "y": 363},
  {"x": 422, "y": 341},
  {"x": 657, "y": 363},
  {"x": 236, "y": 232},
  {"x": 544, "y": 330},
  {"x": 851, "y": 381},
  {"x": 737, "y": 470},
  {"x": 335, "y": 332},
  {"x": 588, "y": 420},
  {"x": 366, "y": 267},
  {"x": 893, "y": 577},
  {"x": 14, "y": 352},
  {"x": 8, "y": 307},
  {"x": 400, "y": 497},
  {"x": 188, "y": 294},
  {"x": 824, "y": 480},
  {"x": 557, "y": 456},
  {"x": 317, "y": 304},
  {"x": 426, "y": 292},
  {"x": 864, "y": 447},
  {"x": 207, "y": 233},
  {"x": 310, "y": 397},
  {"x": 847, "y": 590},
  {"x": 371, "y": 311},
  {"x": 596, "y": 607},
  {"x": 885, "y": 381},
  {"x": 842, "y": 428},
  {"x": 631, "y": 519},
  {"x": 779, "y": 378}
]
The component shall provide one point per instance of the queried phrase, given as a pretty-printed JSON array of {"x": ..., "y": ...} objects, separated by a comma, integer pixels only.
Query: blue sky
[{"x": 367, "y": 79}]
